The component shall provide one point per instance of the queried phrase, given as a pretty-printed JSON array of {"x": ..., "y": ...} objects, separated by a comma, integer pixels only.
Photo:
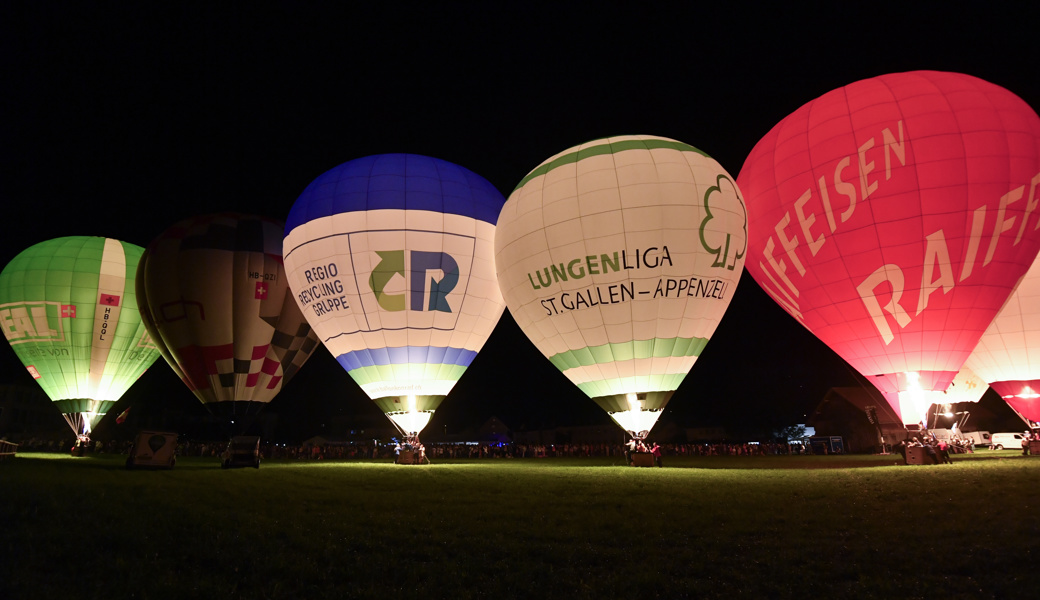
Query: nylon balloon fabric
[
  {"x": 390, "y": 258},
  {"x": 69, "y": 310},
  {"x": 1007, "y": 356},
  {"x": 892, "y": 217},
  {"x": 214, "y": 295},
  {"x": 618, "y": 258}
]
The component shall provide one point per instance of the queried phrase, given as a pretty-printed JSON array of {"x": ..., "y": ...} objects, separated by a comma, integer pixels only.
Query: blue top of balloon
[{"x": 397, "y": 181}]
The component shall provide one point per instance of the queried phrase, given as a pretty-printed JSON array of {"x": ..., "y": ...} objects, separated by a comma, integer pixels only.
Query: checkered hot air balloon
[{"x": 214, "y": 295}]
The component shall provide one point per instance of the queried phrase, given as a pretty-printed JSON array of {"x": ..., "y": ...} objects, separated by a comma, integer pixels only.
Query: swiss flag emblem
[
  {"x": 109, "y": 300},
  {"x": 261, "y": 290},
  {"x": 68, "y": 311}
]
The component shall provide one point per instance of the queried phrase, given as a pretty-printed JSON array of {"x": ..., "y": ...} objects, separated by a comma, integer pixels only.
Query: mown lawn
[{"x": 772, "y": 527}]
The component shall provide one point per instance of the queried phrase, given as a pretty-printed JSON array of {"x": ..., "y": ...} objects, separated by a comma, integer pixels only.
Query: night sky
[{"x": 122, "y": 119}]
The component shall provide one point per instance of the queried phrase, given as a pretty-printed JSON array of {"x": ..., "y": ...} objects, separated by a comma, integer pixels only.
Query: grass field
[{"x": 781, "y": 527}]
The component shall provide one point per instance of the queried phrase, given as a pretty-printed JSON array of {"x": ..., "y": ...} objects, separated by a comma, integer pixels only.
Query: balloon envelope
[
  {"x": 1008, "y": 354},
  {"x": 69, "y": 310},
  {"x": 618, "y": 258},
  {"x": 967, "y": 386},
  {"x": 892, "y": 217},
  {"x": 213, "y": 293},
  {"x": 391, "y": 261}
]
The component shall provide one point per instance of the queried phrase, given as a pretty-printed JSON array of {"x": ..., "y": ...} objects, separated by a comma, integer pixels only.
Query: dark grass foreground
[{"x": 539, "y": 528}]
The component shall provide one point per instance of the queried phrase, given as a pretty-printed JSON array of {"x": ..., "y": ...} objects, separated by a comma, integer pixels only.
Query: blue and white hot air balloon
[{"x": 391, "y": 259}]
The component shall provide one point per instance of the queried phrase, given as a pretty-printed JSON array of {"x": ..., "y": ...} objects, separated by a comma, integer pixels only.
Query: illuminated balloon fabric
[
  {"x": 214, "y": 294},
  {"x": 618, "y": 258},
  {"x": 966, "y": 386},
  {"x": 1008, "y": 354},
  {"x": 391, "y": 260},
  {"x": 69, "y": 310},
  {"x": 892, "y": 217}
]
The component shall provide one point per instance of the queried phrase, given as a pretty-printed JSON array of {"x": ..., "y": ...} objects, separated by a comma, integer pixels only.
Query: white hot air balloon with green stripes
[{"x": 618, "y": 258}]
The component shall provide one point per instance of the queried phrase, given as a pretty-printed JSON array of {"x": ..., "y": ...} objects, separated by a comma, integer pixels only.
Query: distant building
[{"x": 861, "y": 416}]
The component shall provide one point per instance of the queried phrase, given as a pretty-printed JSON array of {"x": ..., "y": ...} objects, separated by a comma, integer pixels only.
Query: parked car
[{"x": 1011, "y": 441}]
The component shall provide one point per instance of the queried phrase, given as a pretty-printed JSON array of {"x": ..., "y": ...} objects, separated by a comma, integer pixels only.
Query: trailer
[
  {"x": 154, "y": 450},
  {"x": 981, "y": 439}
]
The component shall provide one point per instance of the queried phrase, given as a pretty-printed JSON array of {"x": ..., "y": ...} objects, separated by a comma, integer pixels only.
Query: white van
[{"x": 1009, "y": 441}]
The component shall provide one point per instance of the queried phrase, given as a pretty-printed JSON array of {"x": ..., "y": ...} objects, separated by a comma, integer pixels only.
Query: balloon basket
[
  {"x": 642, "y": 459},
  {"x": 411, "y": 457},
  {"x": 242, "y": 451},
  {"x": 80, "y": 448}
]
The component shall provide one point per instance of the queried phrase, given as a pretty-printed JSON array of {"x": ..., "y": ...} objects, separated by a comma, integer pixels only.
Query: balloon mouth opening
[
  {"x": 913, "y": 401},
  {"x": 410, "y": 422},
  {"x": 635, "y": 421},
  {"x": 80, "y": 424}
]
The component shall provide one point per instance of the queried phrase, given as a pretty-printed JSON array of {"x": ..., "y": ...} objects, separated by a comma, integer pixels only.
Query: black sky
[{"x": 119, "y": 119}]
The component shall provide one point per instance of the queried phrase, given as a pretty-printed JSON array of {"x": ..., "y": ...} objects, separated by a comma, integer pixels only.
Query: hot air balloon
[
  {"x": 214, "y": 295},
  {"x": 966, "y": 386},
  {"x": 390, "y": 258},
  {"x": 618, "y": 258},
  {"x": 892, "y": 218},
  {"x": 69, "y": 310},
  {"x": 1008, "y": 354}
]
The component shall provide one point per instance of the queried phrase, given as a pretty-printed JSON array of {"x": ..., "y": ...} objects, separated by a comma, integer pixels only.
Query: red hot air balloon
[{"x": 892, "y": 217}]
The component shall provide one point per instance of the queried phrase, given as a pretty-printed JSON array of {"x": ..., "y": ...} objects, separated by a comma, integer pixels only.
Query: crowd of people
[
  {"x": 484, "y": 450},
  {"x": 936, "y": 451},
  {"x": 1033, "y": 435},
  {"x": 635, "y": 447}
]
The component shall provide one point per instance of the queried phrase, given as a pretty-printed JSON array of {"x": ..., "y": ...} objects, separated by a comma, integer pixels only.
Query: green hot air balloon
[{"x": 69, "y": 310}]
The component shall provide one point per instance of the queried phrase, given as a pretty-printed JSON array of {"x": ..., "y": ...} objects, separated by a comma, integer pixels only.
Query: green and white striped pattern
[{"x": 612, "y": 328}]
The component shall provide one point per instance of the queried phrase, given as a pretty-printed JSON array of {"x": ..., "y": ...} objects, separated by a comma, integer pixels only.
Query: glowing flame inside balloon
[
  {"x": 636, "y": 421},
  {"x": 411, "y": 421},
  {"x": 914, "y": 400}
]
